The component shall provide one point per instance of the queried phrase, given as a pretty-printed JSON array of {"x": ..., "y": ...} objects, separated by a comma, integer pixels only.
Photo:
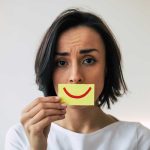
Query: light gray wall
[{"x": 22, "y": 26}]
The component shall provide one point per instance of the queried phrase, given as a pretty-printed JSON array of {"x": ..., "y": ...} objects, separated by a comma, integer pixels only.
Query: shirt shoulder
[
  {"x": 142, "y": 133},
  {"x": 137, "y": 127},
  {"x": 143, "y": 136},
  {"x": 16, "y": 138}
]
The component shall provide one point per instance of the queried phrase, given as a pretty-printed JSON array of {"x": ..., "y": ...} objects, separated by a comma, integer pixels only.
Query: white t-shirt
[{"x": 121, "y": 135}]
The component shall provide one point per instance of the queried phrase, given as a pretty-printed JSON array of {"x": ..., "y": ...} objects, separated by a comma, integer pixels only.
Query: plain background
[{"x": 22, "y": 26}]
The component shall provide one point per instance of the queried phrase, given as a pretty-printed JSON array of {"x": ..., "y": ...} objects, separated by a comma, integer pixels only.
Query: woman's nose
[{"x": 75, "y": 75}]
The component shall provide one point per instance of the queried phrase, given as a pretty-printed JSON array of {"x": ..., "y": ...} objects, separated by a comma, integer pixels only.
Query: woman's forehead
[{"x": 80, "y": 37}]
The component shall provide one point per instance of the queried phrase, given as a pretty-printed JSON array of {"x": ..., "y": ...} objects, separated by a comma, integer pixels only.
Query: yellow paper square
[{"x": 76, "y": 94}]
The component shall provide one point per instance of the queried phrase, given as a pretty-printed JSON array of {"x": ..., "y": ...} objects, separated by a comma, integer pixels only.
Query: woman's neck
[{"x": 85, "y": 119}]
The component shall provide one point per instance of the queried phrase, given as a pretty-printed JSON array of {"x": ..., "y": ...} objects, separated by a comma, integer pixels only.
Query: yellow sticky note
[{"x": 76, "y": 94}]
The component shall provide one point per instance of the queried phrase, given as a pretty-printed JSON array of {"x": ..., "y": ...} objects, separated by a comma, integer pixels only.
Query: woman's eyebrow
[
  {"x": 82, "y": 51},
  {"x": 85, "y": 51}
]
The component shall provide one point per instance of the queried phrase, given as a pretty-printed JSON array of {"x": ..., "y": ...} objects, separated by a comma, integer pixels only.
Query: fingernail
[
  {"x": 64, "y": 105},
  {"x": 57, "y": 98}
]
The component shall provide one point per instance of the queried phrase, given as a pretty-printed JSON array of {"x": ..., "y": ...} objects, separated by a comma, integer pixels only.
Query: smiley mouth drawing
[{"x": 77, "y": 96}]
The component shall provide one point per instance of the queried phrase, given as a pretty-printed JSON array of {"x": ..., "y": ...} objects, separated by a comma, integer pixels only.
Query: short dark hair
[{"x": 114, "y": 84}]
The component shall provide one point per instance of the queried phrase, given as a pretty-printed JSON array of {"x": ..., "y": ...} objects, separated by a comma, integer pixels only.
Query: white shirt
[{"x": 121, "y": 135}]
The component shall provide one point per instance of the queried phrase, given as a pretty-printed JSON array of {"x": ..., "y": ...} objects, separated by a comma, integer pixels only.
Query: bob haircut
[{"x": 114, "y": 84}]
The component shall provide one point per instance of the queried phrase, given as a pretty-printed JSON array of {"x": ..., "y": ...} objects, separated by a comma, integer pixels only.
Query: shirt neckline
[{"x": 64, "y": 130}]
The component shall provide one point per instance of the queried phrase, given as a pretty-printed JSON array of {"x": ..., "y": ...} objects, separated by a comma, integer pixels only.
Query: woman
[{"x": 78, "y": 48}]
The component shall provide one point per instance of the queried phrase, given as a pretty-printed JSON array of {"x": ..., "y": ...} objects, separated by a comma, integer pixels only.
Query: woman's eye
[
  {"x": 61, "y": 63},
  {"x": 89, "y": 61}
]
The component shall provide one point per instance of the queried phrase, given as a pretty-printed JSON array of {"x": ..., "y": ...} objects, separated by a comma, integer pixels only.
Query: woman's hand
[{"x": 36, "y": 119}]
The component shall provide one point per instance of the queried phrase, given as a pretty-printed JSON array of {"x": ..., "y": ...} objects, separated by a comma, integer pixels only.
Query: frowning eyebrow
[{"x": 82, "y": 51}]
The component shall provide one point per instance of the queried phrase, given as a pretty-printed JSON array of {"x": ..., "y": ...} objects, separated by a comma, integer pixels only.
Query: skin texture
[{"x": 73, "y": 67}]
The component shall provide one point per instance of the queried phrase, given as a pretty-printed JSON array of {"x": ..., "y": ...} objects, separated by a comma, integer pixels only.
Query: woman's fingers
[
  {"x": 46, "y": 113},
  {"x": 51, "y": 99},
  {"x": 47, "y": 105},
  {"x": 42, "y": 107},
  {"x": 36, "y": 118}
]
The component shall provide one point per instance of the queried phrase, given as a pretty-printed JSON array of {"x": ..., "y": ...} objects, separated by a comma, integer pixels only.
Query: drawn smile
[{"x": 77, "y": 96}]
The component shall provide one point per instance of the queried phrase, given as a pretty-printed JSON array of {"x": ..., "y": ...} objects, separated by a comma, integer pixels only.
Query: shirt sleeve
[
  {"x": 15, "y": 139},
  {"x": 143, "y": 136}
]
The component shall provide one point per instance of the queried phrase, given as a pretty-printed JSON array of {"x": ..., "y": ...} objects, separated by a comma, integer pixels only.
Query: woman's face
[{"x": 80, "y": 59}]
